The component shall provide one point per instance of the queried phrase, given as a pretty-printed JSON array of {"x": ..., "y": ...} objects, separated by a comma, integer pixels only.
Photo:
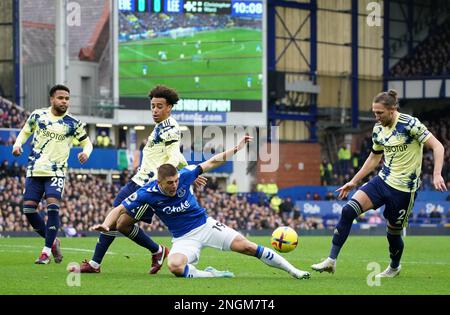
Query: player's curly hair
[
  {"x": 388, "y": 99},
  {"x": 58, "y": 87},
  {"x": 170, "y": 95}
]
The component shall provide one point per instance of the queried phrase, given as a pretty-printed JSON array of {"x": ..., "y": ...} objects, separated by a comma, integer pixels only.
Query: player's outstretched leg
[
  {"x": 126, "y": 225},
  {"x": 242, "y": 245},
  {"x": 178, "y": 265},
  {"x": 349, "y": 212},
  {"x": 105, "y": 240},
  {"x": 273, "y": 259}
]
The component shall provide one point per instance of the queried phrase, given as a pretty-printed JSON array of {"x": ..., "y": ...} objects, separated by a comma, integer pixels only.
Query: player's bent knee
[
  {"x": 30, "y": 203},
  {"x": 176, "y": 265},
  {"x": 124, "y": 225}
]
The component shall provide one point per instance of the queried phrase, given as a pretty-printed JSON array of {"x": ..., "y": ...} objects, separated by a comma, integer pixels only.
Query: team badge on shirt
[{"x": 181, "y": 192}]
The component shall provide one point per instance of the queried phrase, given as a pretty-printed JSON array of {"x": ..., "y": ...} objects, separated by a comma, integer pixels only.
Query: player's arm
[
  {"x": 87, "y": 146},
  {"x": 438, "y": 155},
  {"x": 369, "y": 166},
  {"x": 23, "y": 136},
  {"x": 221, "y": 158},
  {"x": 176, "y": 158},
  {"x": 85, "y": 142},
  {"x": 110, "y": 219}
]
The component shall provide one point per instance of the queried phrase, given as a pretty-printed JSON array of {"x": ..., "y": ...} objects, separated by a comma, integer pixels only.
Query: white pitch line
[{"x": 63, "y": 248}]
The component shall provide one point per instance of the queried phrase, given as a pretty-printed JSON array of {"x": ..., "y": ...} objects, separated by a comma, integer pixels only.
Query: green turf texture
[
  {"x": 426, "y": 269},
  {"x": 224, "y": 78}
]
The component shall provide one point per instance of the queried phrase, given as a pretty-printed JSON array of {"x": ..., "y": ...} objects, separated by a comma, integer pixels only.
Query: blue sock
[
  {"x": 138, "y": 236},
  {"x": 36, "y": 221},
  {"x": 52, "y": 224},
  {"x": 395, "y": 248},
  {"x": 104, "y": 241},
  {"x": 349, "y": 212}
]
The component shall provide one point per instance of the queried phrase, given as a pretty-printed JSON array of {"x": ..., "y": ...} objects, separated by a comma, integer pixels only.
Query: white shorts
[{"x": 211, "y": 234}]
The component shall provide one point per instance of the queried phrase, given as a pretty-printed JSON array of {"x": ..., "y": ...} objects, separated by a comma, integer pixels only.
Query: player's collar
[
  {"x": 161, "y": 122},
  {"x": 54, "y": 116},
  {"x": 395, "y": 122}
]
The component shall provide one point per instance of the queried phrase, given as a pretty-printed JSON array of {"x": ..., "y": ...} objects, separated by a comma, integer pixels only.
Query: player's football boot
[
  {"x": 56, "y": 251},
  {"x": 86, "y": 267},
  {"x": 328, "y": 265},
  {"x": 300, "y": 274},
  {"x": 43, "y": 259},
  {"x": 158, "y": 259},
  {"x": 219, "y": 273},
  {"x": 389, "y": 272}
]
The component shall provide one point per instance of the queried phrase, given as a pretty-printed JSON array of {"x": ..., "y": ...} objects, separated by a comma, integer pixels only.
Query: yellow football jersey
[
  {"x": 163, "y": 146},
  {"x": 52, "y": 140},
  {"x": 402, "y": 145}
]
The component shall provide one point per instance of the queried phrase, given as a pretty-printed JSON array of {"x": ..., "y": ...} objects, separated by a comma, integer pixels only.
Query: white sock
[
  {"x": 272, "y": 259},
  {"x": 159, "y": 250},
  {"x": 47, "y": 250},
  {"x": 191, "y": 272},
  {"x": 94, "y": 264}
]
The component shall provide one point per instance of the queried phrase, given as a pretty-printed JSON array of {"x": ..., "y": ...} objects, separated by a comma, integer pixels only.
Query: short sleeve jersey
[
  {"x": 52, "y": 140},
  {"x": 402, "y": 145},
  {"x": 154, "y": 153},
  {"x": 180, "y": 213}
]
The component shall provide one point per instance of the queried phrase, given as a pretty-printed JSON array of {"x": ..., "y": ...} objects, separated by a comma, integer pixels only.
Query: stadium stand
[
  {"x": 11, "y": 115},
  {"x": 430, "y": 57},
  {"x": 39, "y": 28},
  {"x": 88, "y": 198}
]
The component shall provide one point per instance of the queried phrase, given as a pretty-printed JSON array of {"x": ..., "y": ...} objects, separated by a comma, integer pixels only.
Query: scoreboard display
[
  {"x": 210, "y": 51},
  {"x": 234, "y": 7}
]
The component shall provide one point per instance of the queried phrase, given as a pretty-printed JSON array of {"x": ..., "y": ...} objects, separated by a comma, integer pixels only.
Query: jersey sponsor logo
[
  {"x": 51, "y": 134},
  {"x": 396, "y": 148},
  {"x": 182, "y": 208}
]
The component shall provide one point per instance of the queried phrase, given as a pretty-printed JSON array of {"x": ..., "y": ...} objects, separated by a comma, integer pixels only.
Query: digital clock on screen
[{"x": 246, "y": 8}]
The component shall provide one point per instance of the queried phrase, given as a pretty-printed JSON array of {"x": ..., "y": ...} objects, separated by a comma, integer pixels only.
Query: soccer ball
[{"x": 284, "y": 239}]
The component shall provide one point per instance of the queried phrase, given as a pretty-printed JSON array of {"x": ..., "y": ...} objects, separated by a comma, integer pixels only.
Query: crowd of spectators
[
  {"x": 133, "y": 23},
  {"x": 11, "y": 115},
  {"x": 430, "y": 57},
  {"x": 87, "y": 198}
]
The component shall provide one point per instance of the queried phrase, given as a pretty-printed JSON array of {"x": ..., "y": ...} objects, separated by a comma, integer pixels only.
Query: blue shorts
[
  {"x": 398, "y": 204},
  {"x": 126, "y": 191},
  {"x": 36, "y": 187}
]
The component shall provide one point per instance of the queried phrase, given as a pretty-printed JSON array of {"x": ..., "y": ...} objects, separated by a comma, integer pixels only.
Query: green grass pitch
[
  {"x": 226, "y": 60},
  {"x": 426, "y": 269}
]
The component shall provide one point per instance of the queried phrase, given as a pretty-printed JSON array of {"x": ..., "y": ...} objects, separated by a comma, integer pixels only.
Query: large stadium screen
[{"x": 211, "y": 52}]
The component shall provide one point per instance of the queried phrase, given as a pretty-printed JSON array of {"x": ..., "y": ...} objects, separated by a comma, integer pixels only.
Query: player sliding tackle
[{"x": 171, "y": 199}]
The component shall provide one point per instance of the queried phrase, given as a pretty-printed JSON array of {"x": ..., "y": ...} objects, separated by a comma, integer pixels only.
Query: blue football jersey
[{"x": 180, "y": 213}]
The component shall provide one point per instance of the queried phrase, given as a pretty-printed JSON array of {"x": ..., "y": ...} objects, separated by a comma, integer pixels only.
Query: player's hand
[
  {"x": 82, "y": 157},
  {"x": 246, "y": 139},
  {"x": 439, "y": 183},
  {"x": 100, "y": 228},
  {"x": 344, "y": 190},
  {"x": 17, "y": 151},
  {"x": 200, "y": 182}
]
